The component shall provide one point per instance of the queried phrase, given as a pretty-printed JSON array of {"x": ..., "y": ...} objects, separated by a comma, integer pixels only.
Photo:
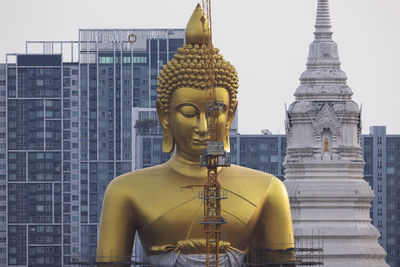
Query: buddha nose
[{"x": 202, "y": 124}]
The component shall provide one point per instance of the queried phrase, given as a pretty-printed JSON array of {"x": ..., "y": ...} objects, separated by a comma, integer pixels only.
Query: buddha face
[{"x": 186, "y": 120}]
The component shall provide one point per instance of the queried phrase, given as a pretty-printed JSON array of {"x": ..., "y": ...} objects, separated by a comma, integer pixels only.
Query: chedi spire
[
  {"x": 323, "y": 22},
  {"x": 323, "y": 78}
]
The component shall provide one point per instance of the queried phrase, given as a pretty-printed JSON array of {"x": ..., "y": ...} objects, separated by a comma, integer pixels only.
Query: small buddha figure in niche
[
  {"x": 326, "y": 145},
  {"x": 167, "y": 218}
]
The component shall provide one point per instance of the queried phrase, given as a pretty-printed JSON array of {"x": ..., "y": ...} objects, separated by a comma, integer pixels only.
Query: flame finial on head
[
  {"x": 197, "y": 29},
  {"x": 188, "y": 67}
]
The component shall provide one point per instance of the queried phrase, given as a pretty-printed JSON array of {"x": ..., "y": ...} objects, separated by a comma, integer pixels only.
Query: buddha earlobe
[
  {"x": 227, "y": 146},
  {"x": 168, "y": 138},
  {"x": 168, "y": 141},
  {"x": 231, "y": 116}
]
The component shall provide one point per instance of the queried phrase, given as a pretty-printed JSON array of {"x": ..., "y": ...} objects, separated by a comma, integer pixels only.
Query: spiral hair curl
[{"x": 188, "y": 69}]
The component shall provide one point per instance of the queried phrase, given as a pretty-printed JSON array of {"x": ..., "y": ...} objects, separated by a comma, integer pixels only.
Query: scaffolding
[{"x": 308, "y": 253}]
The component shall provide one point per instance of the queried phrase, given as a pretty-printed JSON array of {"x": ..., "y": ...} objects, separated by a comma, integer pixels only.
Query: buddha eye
[{"x": 188, "y": 111}]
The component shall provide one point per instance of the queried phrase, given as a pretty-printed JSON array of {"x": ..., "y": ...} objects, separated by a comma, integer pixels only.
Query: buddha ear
[
  {"x": 162, "y": 115},
  {"x": 231, "y": 116},
  {"x": 168, "y": 138}
]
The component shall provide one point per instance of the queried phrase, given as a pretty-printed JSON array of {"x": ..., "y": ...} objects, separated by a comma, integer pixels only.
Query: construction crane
[{"x": 214, "y": 156}]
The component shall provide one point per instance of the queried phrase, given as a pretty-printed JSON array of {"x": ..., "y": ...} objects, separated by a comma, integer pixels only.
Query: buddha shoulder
[
  {"x": 253, "y": 183},
  {"x": 248, "y": 175},
  {"x": 137, "y": 180}
]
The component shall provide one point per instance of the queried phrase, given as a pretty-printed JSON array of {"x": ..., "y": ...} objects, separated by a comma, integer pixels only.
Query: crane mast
[{"x": 214, "y": 156}]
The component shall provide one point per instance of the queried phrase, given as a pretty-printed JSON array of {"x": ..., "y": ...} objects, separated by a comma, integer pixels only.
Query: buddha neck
[{"x": 188, "y": 167}]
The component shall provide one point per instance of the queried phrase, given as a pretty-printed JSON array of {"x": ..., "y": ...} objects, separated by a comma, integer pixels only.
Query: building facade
[
  {"x": 65, "y": 133},
  {"x": 382, "y": 170}
]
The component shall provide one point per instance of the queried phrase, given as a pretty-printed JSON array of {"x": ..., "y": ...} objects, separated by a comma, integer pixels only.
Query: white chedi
[{"x": 324, "y": 167}]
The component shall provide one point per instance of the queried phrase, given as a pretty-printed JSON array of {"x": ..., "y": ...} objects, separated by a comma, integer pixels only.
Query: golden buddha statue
[{"x": 167, "y": 218}]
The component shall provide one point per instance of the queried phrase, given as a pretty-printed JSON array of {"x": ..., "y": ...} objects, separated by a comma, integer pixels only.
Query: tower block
[{"x": 324, "y": 167}]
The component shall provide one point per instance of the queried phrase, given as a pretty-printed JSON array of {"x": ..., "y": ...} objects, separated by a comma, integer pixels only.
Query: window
[
  {"x": 390, "y": 170},
  {"x": 263, "y": 145},
  {"x": 391, "y": 217},
  {"x": 379, "y": 141},
  {"x": 379, "y": 164},
  {"x": 379, "y": 188},
  {"x": 39, "y": 82},
  {"x": 264, "y": 158},
  {"x": 140, "y": 60},
  {"x": 12, "y": 166},
  {"x": 379, "y": 211},
  {"x": 106, "y": 60},
  {"x": 126, "y": 60}
]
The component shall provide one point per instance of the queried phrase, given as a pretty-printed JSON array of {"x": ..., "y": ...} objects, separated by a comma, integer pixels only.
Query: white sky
[{"x": 266, "y": 40}]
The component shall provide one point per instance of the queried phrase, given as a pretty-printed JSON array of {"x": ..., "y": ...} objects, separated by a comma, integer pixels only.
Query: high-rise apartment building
[
  {"x": 66, "y": 132},
  {"x": 3, "y": 167},
  {"x": 382, "y": 171}
]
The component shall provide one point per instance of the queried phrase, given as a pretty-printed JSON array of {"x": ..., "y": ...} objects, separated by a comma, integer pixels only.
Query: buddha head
[{"x": 182, "y": 92}]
